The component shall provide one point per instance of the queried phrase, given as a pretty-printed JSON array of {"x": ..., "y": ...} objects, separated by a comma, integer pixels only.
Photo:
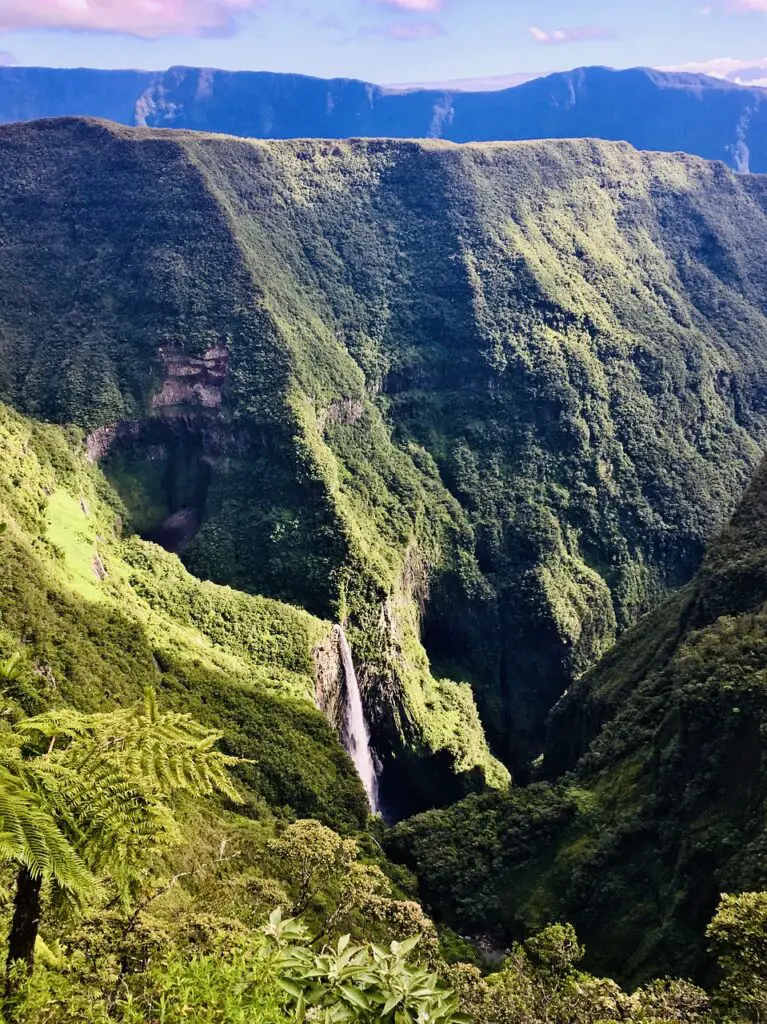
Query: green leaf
[
  {"x": 291, "y": 987},
  {"x": 355, "y": 997},
  {"x": 408, "y": 945},
  {"x": 391, "y": 1002},
  {"x": 300, "y": 1009}
]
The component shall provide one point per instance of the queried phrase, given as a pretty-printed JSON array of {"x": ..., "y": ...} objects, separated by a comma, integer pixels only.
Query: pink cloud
[
  {"x": 559, "y": 36},
  {"x": 422, "y": 6},
  {"x": 744, "y": 6},
  {"x": 146, "y": 18}
]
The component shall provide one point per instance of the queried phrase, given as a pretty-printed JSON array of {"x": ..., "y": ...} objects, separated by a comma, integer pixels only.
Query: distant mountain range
[{"x": 654, "y": 110}]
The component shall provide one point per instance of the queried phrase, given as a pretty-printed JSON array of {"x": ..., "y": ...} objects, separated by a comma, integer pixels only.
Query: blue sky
[{"x": 383, "y": 40}]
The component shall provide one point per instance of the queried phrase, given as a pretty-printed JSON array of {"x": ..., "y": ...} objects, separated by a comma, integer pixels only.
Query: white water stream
[{"x": 356, "y": 737}]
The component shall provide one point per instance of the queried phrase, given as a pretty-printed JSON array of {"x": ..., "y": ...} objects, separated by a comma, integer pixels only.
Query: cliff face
[
  {"x": 650, "y": 109},
  {"x": 486, "y": 404}
]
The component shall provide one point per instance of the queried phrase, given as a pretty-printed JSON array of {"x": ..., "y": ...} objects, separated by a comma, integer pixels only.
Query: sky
[{"x": 390, "y": 41}]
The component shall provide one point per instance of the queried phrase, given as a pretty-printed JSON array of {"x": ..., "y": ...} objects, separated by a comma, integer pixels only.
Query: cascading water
[{"x": 356, "y": 738}]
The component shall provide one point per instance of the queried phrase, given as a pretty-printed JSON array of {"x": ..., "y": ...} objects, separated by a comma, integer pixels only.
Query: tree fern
[
  {"x": 163, "y": 751},
  {"x": 30, "y": 836},
  {"x": 94, "y": 799}
]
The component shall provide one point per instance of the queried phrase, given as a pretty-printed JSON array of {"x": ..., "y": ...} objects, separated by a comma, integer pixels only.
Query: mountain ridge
[
  {"x": 650, "y": 109},
  {"x": 655, "y": 794},
  {"x": 485, "y": 406}
]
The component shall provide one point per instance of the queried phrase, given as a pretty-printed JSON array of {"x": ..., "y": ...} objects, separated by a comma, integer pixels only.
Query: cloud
[
  {"x": 421, "y": 6},
  {"x": 741, "y": 72},
  {"x": 746, "y": 6},
  {"x": 7, "y": 58},
  {"x": 148, "y": 19},
  {"x": 584, "y": 34}
]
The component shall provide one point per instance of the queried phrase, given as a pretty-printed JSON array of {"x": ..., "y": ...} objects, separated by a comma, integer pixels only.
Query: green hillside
[
  {"x": 97, "y": 617},
  {"x": 486, "y": 407},
  {"x": 486, "y": 402},
  {"x": 655, "y": 800}
]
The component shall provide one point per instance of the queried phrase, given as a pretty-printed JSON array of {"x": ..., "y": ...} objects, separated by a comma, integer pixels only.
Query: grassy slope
[
  {"x": 238, "y": 662},
  {"x": 658, "y": 792},
  {"x": 496, "y": 395}
]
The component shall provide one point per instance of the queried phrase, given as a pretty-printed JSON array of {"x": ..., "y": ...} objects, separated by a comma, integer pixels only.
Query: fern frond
[{"x": 30, "y": 835}]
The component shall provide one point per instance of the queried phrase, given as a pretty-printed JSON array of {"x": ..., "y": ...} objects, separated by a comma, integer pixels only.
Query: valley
[{"x": 408, "y": 468}]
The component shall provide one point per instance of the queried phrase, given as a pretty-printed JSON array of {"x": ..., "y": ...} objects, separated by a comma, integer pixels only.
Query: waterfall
[{"x": 356, "y": 738}]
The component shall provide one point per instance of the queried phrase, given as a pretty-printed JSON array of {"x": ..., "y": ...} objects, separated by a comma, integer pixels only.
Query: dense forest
[{"x": 490, "y": 409}]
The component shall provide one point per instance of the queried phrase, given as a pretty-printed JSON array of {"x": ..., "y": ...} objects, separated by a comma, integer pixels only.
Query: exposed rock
[
  {"x": 329, "y": 680},
  {"x": 45, "y": 672},
  {"x": 193, "y": 381},
  {"x": 342, "y": 411},
  {"x": 177, "y": 531},
  {"x": 415, "y": 577},
  {"x": 99, "y": 444}
]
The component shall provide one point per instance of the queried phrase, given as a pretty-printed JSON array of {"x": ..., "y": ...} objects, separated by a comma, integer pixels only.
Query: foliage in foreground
[
  {"x": 278, "y": 974},
  {"x": 194, "y": 950},
  {"x": 85, "y": 801}
]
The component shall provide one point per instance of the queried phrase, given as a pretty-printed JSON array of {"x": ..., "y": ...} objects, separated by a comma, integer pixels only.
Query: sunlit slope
[
  {"x": 97, "y": 617},
  {"x": 487, "y": 403}
]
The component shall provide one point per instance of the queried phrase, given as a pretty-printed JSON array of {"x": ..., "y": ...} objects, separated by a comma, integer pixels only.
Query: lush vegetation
[
  {"x": 494, "y": 399},
  {"x": 484, "y": 406},
  {"x": 94, "y": 619},
  {"x": 655, "y": 802}
]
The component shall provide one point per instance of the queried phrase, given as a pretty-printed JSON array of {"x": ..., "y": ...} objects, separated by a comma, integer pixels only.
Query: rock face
[
  {"x": 190, "y": 382},
  {"x": 175, "y": 448},
  {"x": 329, "y": 681},
  {"x": 177, "y": 532},
  {"x": 103, "y": 440}
]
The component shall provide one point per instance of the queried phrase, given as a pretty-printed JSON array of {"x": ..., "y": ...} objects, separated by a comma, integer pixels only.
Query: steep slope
[
  {"x": 494, "y": 399},
  {"x": 97, "y": 617},
  {"x": 650, "y": 109},
  {"x": 665, "y": 803}
]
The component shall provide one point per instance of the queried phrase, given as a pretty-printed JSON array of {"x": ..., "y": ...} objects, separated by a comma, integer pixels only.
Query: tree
[
  {"x": 671, "y": 999},
  {"x": 83, "y": 798},
  {"x": 738, "y": 941},
  {"x": 310, "y": 856}
]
